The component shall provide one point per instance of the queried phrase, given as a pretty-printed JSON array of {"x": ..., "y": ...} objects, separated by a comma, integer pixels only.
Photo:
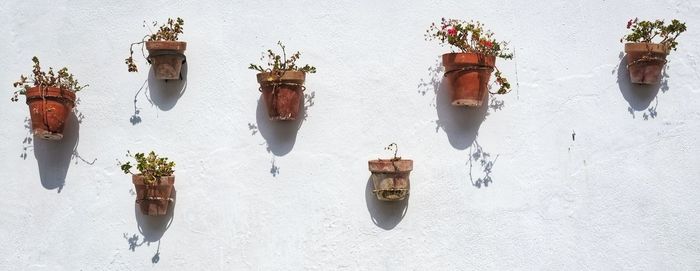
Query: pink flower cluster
[{"x": 631, "y": 22}]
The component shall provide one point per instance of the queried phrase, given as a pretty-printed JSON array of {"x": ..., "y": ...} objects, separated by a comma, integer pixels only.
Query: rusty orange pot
[
  {"x": 49, "y": 108},
  {"x": 153, "y": 199},
  {"x": 645, "y": 61},
  {"x": 166, "y": 57},
  {"x": 467, "y": 76},
  {"x": 282, "y": 92},
  {"x": 390, "y": 178}
]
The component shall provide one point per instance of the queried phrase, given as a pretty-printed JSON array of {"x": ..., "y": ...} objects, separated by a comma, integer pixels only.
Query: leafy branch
[
  {"x": 471, "y": 37},
  {"x": 150, "y": 166},
  {"x": 277, "y": 62},
  {"x": 61, "y": 79},
  {"x": 646, "y": 31},
  {"x": 468, "y": 36}
]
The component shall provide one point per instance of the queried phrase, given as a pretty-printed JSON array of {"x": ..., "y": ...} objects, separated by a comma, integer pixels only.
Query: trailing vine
[
  {"x": 393, "y": 147},
  {"x": 471, "y": 37},
  {"x": 166, "y": 32}
]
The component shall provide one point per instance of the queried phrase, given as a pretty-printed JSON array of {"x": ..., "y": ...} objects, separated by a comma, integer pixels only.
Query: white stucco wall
[{"x": 255, "y": 195}]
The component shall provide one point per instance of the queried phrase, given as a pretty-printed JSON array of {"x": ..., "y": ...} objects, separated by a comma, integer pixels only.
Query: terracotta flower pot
[
  {"x": 282, "y": 93},
  {"x": 645, "y": 61},
  {"x": 390, "y": 178},
  {"x": 153, "y": 199},
  {"x": 166, "y": 57},
  {"x": 467, "y": 76},
  {"x": 49, "y": 108}
]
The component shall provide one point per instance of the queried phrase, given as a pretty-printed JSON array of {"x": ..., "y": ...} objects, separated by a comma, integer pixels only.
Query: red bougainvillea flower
[
  {"x": 486, "y": 43},
  {"x": 451, "y": 31}
]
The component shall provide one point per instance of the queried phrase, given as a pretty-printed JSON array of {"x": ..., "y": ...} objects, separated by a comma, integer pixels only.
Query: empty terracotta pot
[
  {"x": 166, "y": 57},
  {"x": 390, "y": 178},
  {"x": 467, "y": 76},
  {"x": 49, "y": 108},
  {"x": 153, "y": 199},
  {"x": 283, "y": 93},
  {"x": 645, "y": 61}
]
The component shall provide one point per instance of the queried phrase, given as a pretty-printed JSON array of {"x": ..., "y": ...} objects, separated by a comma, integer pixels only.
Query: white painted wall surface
[{"x": 622, "y": 196}]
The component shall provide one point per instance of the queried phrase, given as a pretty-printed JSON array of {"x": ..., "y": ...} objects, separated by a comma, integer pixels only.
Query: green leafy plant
[
  {"x": 150, "y": 166},
  {"x": 276, "y": 63},
  {"x": 647, "y": 31},
  {"x": 471, "y": 37},
  {"x": 166, "y": 32},
  {"x": 61, "y": 79}
]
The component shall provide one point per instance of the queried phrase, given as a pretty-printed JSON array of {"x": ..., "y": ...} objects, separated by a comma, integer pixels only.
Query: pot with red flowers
[
  {"x": 390, "y": 177},
  {"x": 282, "y": 83},
  {"x": 468, "y": 70},
  {"x": 51, "y": 98},
  {"x": 165, "y": 52},
  {"x": 647, "y": 47}
]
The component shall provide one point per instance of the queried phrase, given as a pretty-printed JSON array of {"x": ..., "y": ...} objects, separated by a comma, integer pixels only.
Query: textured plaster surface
[{"x": 574, "y": 170}]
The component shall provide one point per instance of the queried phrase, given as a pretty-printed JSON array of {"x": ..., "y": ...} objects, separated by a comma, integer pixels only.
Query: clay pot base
[
  {"x": 646, "y": 73},
  {"x": 154, "y": 207},
  {"x": 167, "y": 67},
  {"x": 47, "y": 134},
  {"x": 288, "y": 117},
  {"x": 282, "y": 102},
  {"x": 391, "y": 194},
  {"x": 467, "y": 102}
]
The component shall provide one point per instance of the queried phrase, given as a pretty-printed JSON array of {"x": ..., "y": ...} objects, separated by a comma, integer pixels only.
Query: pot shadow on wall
[
  {"x": 151, "y": 228},
  {"x": 54, "y": 157},
  {"x": 279, "y": 136},
  {"x": 164, "y": 94},
  {"x": 384, "y": 214},
  {"x": 639, "y": 97},
  {"x": 485, "y": 161},
  {"x": 461, "y": 124}
]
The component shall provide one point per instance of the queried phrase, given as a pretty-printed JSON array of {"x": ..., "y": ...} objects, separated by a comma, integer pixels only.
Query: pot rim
[
  {"x": 63, "y": 94},
  {"x": 137, "y": 179},
  {"x": 287, "y": 76},
  {"x": 468, "y": 53},
  {"x": 172, "y": 45},
  {"x": 407, "y": 164},
  {"x": 448, "y": 60},
  {"x": 646, "y": 47}
]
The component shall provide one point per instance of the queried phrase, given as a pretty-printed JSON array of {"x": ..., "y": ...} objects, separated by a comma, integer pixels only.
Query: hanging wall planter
[
  {"x": 165, "y": 52},
  {"x": 153, "y": 184},
  {"x": 282, "y": 84},
  {"x": 390, "y": 177},
  {"x": 51, "y": 98},
  {"x": 469, "y": 71},
  {"x": 646, "y": 59}
]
